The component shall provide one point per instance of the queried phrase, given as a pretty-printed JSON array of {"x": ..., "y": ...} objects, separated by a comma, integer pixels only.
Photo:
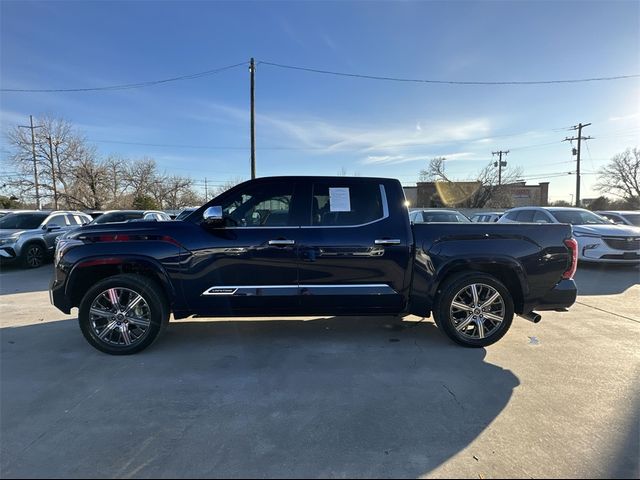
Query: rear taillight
[{"x": 573, "y": 246}]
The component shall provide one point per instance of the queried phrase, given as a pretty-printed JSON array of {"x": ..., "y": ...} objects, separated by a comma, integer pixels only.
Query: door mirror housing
[
  {"x": 52, "y": 228},
  {"x": 213, "y": 215}
]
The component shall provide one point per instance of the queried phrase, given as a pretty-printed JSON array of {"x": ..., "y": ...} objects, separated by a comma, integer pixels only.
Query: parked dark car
[
  {"x": 185, "y": 212},
  {"x": 29, "y": 236},
  {"x": 310, "y": 246},
  {"x": 437, "y": 215},
  {"x": 118, "y": 216}
]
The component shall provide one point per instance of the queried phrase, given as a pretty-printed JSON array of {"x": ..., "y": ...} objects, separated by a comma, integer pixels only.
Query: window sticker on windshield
[{"x": 339, "y": 200}]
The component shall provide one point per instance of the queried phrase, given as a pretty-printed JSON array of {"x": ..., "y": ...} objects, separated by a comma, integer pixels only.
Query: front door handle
[
  {"x": 387, "y": 241},
  {"x": 281, "y": 243}
]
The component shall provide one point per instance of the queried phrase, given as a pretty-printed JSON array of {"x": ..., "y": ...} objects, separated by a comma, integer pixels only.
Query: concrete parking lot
[{"x": 324, "y": 397}]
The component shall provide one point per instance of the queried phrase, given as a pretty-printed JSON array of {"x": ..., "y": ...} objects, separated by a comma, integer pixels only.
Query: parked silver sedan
[{"x": 437, "y": 215}]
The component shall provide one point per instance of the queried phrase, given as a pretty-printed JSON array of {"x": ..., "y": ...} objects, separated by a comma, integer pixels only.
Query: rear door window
[
  {"x": 525, "y": 216},
  {"x": 59, "y": 220},
  {"x": 337, "y": 205}
]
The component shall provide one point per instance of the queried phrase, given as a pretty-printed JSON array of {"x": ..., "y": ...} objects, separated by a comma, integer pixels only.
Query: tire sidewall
[
  {"x": 449, "y": 291},
  {"x": 142, "y": 286}
]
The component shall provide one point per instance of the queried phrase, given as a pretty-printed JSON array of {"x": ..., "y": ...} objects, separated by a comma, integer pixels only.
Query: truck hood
[
  {"x": 7, "y": 232},
  {"x": 608, "y": 230}
]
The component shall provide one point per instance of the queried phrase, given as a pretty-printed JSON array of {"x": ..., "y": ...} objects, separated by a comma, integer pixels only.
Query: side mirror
[
  {"x": 53, "y": 228},
  {"x": 213, "y": 215}
]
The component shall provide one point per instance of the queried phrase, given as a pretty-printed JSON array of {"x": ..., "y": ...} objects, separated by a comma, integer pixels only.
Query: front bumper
[
  {"x": 8, "y": 252},
  {"x": 562, "y": 296},
  {"x": 57, "y": 293},
  {"x": 597, "y": 250}
]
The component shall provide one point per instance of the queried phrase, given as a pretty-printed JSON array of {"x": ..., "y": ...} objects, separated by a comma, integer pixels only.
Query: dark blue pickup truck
[{"x": 310, "y": 246}]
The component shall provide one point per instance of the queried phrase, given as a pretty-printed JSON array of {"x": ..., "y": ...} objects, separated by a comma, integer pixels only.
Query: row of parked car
[
  {"x": 29, "y": 236},
  {"x": 603, "y": 237}
]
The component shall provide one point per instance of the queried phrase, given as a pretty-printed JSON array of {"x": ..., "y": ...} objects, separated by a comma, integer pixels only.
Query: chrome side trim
[{"x": 231, "y": 290}]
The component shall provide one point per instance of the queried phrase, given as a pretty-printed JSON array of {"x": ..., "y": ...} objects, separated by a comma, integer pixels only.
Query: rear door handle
[
  {"x": 387, "y": 241},
  {"x": 281, "y": 243}
]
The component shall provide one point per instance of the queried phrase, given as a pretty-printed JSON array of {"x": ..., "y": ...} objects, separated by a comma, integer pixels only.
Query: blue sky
[{"x": 316, "y": 124}]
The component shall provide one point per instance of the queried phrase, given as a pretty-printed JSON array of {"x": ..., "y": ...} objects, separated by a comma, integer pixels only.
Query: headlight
[
  {"x": 63, "y": 247},
  {"x": 6, "y": 240}
]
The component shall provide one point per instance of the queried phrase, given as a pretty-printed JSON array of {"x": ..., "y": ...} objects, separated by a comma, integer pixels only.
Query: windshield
[
  {"x": 185, "y": 213},
  {"x": 22, "y": 220},
  {"x": 632, "y": 218},
  {"x": 578, "y": 217},
  {"x": 115, "y": 217}
]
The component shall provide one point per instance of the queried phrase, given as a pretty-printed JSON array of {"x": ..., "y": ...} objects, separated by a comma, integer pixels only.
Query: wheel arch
[
  {"x": 509, "y": 272},
  {"x": 89, "y": 271}
]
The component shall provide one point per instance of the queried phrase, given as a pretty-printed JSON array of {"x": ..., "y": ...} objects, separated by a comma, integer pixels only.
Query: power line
[
  {"x": 446, "y": 82},
  {"x": 127, "y": 85}
]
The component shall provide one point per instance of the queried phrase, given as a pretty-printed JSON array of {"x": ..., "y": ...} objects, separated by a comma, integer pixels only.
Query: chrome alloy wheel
[
  {"x": 477, "y": 311},
  {"x": 120, "y": 317}
]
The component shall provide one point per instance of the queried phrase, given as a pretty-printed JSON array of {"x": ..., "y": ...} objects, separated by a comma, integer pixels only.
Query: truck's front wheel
[
  {"x": 474, "y": 310},
  {"x": 123, "y": 314}
]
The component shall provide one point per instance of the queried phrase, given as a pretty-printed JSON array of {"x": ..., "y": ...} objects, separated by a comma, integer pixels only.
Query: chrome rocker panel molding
[{"x": 292, "y": 290}]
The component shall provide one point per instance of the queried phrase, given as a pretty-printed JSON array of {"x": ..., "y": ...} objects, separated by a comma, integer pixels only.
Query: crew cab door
[
  {"x": 249, "y": 265},
  {"x": 355, "y": 249}
]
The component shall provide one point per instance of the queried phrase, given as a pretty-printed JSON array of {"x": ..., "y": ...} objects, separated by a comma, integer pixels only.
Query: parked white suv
[{"x": 598, "y": 240}]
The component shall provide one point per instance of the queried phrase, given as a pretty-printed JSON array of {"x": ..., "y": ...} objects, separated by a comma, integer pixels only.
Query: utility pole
[
  {"x": 579, "y": 138},
  {"x": 35, "y": 161},
  {"x": 206, "y": 192},
  {"x": 53, "y": 175},
  {"x": 252, "y": 71},
  {"x": 500, "y": 163}
]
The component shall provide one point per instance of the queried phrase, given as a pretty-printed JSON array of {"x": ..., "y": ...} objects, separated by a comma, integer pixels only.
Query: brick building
[{"x": 427, "y": 194}]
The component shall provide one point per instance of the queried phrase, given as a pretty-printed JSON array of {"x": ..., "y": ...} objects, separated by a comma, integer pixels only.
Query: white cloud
[
  {"x": 395, "y": 159},
  {"x": 386, "y": 144},
  {"x": 625, "y": 117}
]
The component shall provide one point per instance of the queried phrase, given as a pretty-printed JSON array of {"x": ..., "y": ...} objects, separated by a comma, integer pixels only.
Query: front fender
[{"x": 91, "y": 269}]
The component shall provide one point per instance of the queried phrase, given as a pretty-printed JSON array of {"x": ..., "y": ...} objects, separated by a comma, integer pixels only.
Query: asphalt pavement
[{"x": 324, "y": 397}]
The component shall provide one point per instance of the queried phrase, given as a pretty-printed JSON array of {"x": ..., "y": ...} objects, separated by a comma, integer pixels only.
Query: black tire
[
  {"x": 156, "y": 309},
  {"x": 33, "y": 255},
  {"x": 443, "y": 309}
]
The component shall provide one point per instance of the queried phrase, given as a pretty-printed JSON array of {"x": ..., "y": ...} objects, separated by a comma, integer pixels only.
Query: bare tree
[
  {"x": 227, "y": 185},
  {"x": 480, "y": 191},
  {"x": 55, "y": 161},
  {"x": 171, "y": 191},
  {"x": 116, "y": 167},
  {"x": 621, "y": 176},
  {"x": 90, "y": 190}
]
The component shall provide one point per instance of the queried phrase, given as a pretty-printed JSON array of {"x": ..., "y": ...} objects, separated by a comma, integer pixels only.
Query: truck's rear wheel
[
  {"x": 123, "y": 314},
  {"x": 474, "y": 310}
]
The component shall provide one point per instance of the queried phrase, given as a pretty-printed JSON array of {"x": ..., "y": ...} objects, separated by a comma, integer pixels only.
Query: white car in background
[
  {"x": 598, "y": 239},
  {"x": 622, "y": 217}
]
